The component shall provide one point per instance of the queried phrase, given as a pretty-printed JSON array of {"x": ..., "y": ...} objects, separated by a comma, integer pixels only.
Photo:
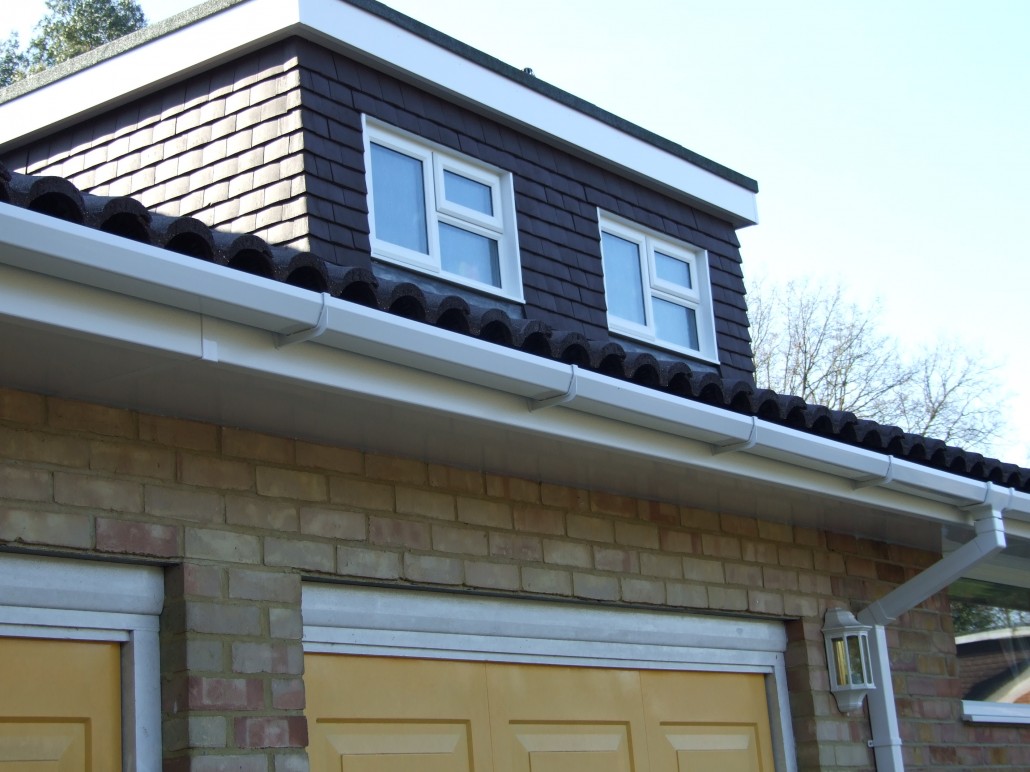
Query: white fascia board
[
  {"x": 146, "y": 67},
  {"x": 403, "y": 341},
  {"x": 784, "y": 444},
  {"x": 40, "y": 301},
  {"x": 366, "y": 36},
  {"x": 640, "y": 406}
]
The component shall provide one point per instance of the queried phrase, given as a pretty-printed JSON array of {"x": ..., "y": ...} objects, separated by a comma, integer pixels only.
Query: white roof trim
[{"x": 250, "y": 24}]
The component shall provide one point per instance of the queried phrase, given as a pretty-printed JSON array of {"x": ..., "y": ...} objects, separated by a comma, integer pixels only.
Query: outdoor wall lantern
[{"x": 847, "y": 657}]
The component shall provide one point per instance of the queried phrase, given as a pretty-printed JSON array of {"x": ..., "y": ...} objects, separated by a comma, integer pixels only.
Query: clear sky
[{"x": 890, "y": 140}]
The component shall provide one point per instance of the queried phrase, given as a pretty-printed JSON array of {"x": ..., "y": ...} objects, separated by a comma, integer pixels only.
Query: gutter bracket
[
  {"x": 876, "y": 481},
  {"x": 561, "y": 399},
  {"x": 733, "y": 447},
  {"x": 308, "y": 333}
]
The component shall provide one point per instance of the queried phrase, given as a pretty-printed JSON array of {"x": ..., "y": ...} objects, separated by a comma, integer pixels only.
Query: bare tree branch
[{"x": 810, "y": 342}]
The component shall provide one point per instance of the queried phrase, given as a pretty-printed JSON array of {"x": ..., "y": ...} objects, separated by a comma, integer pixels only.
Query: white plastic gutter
[{"x": 883, "y": 713}]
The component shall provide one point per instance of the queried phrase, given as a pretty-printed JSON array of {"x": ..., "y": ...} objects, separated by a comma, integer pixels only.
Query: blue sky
[{"x": 889, "y": 139}]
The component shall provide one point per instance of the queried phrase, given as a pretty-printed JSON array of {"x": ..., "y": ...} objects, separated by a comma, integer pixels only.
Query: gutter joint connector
[
  {"x": 308, "y": 333},
  {"x": 733, "y": 447},
  {"x": 569, "y": 395}
]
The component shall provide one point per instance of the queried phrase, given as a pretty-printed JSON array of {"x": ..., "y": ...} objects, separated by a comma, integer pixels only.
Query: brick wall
[
  {"x": 240, "y": 518},
  {"x": 271, "y": 145}
]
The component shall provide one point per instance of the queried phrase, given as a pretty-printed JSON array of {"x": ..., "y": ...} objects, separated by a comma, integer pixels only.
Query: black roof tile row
[{"x": 56, "y": 197}]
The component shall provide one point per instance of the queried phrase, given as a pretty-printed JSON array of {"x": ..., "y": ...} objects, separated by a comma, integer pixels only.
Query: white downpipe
[{"x": 883, "y": 712}]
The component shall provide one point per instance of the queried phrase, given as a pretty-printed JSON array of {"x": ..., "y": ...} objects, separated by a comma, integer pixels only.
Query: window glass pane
[
  {"x": 622, "y": 279},
  {"x": 468, "y": 193},
  {"x": 400, "y": 204},
  {"x": 675, "y": 324},
  {"x": 469, "y": 255},
  {"x": 672, "y": 270},
  {"x": 993, "y": 646}
]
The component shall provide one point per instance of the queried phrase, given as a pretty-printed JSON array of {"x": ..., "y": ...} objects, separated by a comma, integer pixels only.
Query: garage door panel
[
  {"x": 726, "y": 748},
  {"x": 560, "y": 746},
  {"x": 379, "y": 714},
  {"x": 60, "y": 705},
  {"x": 42, "y": 745},
  {"x": 547, "y": 719},
  {"x": 703, "y": 721},
  {"x": 393, "y": 746}
]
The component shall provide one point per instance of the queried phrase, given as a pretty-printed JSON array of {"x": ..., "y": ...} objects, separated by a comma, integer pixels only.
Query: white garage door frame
[
  {"x": 372, "y": 621},
  {"x": 42, "y": 597}
]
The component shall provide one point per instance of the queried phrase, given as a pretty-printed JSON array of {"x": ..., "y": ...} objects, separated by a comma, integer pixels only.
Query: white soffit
[{"x": 251, "y": 24}]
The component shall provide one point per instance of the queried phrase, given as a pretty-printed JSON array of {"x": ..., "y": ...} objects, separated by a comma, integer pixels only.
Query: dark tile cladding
[
  {"x": 557, "y": 194},
  {"x": 127, "y": 218}
]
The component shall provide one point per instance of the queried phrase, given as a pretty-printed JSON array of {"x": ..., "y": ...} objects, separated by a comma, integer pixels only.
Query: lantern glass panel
[
  {"x": 840, "y": 661},
  {"x": 857, "y": 671}
]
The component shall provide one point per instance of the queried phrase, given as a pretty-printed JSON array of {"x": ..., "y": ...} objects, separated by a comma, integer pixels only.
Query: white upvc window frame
[
  {"x": 92, "y": 601},
  {"x": 382, "y": 622},
  {"x": 436, "y": 160},
  {"x": 698, "y": 297}
]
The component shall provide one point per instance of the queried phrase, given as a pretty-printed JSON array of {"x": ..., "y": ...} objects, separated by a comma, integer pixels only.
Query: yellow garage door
[
  {"x": 369, "y": 714},
  {"x": 60, "y": 706}
]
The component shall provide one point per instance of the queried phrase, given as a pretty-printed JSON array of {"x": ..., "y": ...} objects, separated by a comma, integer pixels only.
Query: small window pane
[
  {"x": 675, "y": 324},
  {"x": 673, "y": 270},
  {"x": 992, "y": 641},
  {"x": 625, "y": 294},
  {"x": 468, "y": 193},
  {"x": 469, "y": 255},
  {"x": 400, "y": 204}
]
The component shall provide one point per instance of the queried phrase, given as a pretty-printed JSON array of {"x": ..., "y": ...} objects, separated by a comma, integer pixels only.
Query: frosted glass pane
[
  {"x": 468, "y": 193},
  {"x": 672, "y": 270},
  {"x": 675, "y": 324},
  {"x": 400, "y": 204},
  {"x": 469, "y": 255},
  {"x": 622, "y": 279}
]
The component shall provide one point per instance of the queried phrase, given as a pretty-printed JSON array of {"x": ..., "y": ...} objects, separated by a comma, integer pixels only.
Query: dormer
[{"x": 341, "y": 128}]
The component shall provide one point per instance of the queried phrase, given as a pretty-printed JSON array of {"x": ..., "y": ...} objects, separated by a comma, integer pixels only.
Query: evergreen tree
[
  {"x": 13, "y": 61},
  {"x": 69, "y": 28}
]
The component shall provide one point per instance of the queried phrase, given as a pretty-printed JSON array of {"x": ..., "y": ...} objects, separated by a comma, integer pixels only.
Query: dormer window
[
  {"x": 657, "y": 288},
  {"x": 441, "y": 212}
]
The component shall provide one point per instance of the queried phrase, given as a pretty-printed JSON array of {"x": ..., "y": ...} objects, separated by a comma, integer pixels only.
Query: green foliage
[
  {"x": 977, "y": 617},
  {"x": 69, "y": 28},
  {"x": 13, "y": 61}
]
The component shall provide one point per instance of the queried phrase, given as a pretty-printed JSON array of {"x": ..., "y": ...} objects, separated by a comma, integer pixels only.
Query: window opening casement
[
  {"x": 992, "y": 641},
  {"x": 441, "y": 212},
  {"x": 80, "y": 675},
  {"x": 657, "y": 288}
]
